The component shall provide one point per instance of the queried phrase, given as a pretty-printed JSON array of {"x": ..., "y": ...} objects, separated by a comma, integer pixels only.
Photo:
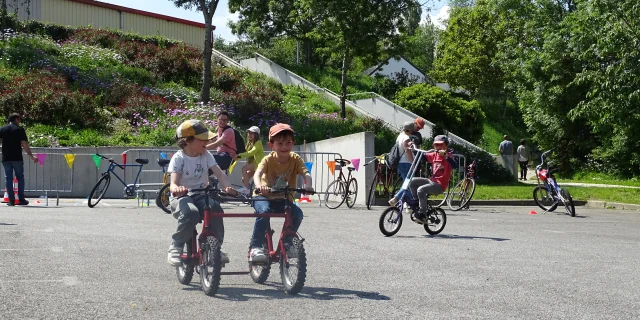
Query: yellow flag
[
  {"x": 70, "y": 158},
  {"x": 232, "y": 166}
]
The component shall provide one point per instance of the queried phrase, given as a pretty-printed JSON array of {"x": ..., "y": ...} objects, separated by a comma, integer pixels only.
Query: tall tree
[
  {"x": 263, "y": 20},
  {"x": 420, "y": 48},
  {"x": 360, "y": 28},
  {"x": 208, "y": 9}
]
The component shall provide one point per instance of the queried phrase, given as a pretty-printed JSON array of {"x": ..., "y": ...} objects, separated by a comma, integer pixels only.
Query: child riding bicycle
[
  {"x": 442, "y": 164},
  {"x": 254, "y": 155},
  {"x": 188, "y": 169},
  {"x": 279, "y": 169}
]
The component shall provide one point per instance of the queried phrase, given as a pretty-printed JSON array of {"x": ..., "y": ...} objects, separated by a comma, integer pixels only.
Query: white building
[{"x": 392, "y": 66}]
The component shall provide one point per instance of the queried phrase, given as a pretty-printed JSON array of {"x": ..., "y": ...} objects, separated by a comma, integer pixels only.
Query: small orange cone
[
  {"x": 5, "y": 199},
  {"x": 533, "y": 212},
  {"x": 304, "y": 198}
]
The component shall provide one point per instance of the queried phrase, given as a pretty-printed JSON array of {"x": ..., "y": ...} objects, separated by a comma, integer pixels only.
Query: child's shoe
[
  {"x": 175, "y": 256},
  {"x": 257, "y": 256},
  {"x": 393, "y": 201}
]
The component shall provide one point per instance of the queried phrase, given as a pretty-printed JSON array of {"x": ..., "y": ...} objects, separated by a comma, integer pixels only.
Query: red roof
[{"x": 140, "y": 12}]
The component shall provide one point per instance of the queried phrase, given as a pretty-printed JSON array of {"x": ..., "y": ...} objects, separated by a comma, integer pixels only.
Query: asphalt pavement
[{"x": 73, "y": 262}]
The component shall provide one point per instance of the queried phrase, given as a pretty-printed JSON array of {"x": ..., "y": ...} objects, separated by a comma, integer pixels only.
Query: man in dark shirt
[{"x": 14, "y": 138}]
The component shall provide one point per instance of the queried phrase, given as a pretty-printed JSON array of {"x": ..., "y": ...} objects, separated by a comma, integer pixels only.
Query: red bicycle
[{"x": 202, "y": 253}]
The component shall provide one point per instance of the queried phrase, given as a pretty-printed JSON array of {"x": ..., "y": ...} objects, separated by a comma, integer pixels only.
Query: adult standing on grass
[
  {"x": 523, "y": 158},
  {"x": 506, "y": 150},
  {"x": 224, "y": 143},
  {"x": 14, "y": 139}
]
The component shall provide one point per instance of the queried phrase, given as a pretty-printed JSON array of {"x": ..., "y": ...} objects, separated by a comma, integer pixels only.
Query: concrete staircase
[{"x": 375, "y": 106}]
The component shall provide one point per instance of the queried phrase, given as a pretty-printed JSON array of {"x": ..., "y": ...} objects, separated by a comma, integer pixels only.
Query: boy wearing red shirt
[{"x": 442, "y": 164}]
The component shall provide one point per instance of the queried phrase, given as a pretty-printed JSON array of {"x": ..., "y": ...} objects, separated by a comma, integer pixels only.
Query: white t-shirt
[
  {"x": 194, "y": 170},
  {"x": 400, "y": 141},
  {"x": 523, "y": 155}
]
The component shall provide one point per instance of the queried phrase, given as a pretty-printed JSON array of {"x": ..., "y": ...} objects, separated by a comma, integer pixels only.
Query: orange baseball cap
[
  {"x": 279, "y": 127},
  {"x": 419, "y": 123}
]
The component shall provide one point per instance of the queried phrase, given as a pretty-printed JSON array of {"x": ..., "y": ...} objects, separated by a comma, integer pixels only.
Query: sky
[{"x": 440, "y": 10}]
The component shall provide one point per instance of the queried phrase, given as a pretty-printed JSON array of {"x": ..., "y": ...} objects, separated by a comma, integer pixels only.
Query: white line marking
[
  {"x": 471, "y": 219},
  {"x": 54, "y": 249}
]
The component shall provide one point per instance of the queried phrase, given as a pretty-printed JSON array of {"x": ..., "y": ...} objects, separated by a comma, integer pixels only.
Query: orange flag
[{"x": 332, "y": 167}]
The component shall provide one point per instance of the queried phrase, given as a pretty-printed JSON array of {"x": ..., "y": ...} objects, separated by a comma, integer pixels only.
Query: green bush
[
  {"x": 453, "y": 114},
  {"x": 23, "y": 52}
]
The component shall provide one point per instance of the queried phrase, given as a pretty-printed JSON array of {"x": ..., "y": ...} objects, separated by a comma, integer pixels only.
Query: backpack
[
  {"x": 393, "y": 157},
  {"x": 239, "y": 147}
]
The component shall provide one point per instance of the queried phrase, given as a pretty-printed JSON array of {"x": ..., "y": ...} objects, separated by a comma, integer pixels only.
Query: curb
[
  {"x": 516, "y": 202},
  {"x": 612, "y": 205}
]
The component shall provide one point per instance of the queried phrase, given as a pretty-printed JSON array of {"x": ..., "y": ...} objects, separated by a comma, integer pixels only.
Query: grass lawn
[{"x": 523, "y": 192}]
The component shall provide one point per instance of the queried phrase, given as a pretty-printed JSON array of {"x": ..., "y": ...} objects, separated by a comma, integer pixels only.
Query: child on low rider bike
[
  {"x": 277, "y": 170},
  {"x": 188, "y": 169},
  {"x": 442, "y": 163}
]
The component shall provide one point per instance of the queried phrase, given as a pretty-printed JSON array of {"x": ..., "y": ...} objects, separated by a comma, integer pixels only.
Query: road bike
[
  {"x": 385, "y": 183},
  {"x": 462, "y": 193},
  {"x": 162, "y": 199},
  {"x": 102, "y": 185},
  {"x": 343, "y": 189},
  {"x": 433, "y": 221},
  {"x": 202, "y": 253},
  {"x": 548, "y": 194}
]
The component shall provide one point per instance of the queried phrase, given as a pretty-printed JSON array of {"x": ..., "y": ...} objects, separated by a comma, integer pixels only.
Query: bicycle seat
[
  {"x": 142, "y": 161},
  {"x": 351, "y": 168},
  {"x": 163, "y": 162},
  {"x": 342, "y": 162}
]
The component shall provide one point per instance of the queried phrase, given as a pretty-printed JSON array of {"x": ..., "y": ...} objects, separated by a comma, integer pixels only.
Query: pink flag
[
  {"x": 356, "y": 163},
  {"x": 41, "y": 157}
]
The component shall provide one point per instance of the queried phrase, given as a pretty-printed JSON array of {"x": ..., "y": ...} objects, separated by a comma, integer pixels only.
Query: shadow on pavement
[
  {"x": 454, "y": 236},
  {"x": 7, "y": 224},
  {"x": 273, "y": 290}
]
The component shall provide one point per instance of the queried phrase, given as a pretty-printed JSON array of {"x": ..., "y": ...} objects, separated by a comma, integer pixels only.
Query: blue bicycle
[
  {"x": 102, "y": 185},
  {"x": 549, "y": 194},
  {"x": 391, "y": 219}
]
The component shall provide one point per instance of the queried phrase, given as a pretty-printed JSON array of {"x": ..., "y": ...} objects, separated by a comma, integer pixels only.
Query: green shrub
[
  {"x": 23, "y": 52},
  {"x": 44, "y": 29},
  {"x": 44, "y": 97},
  {"x": 453, "y": 114}
]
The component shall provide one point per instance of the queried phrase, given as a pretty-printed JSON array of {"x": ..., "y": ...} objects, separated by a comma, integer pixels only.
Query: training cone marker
[{"x": 533, "y": 212}]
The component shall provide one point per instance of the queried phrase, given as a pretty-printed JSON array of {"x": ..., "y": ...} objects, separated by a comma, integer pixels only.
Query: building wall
[
  {"x": 396, "y": 65},
  {"x": 78, "y": 14}
]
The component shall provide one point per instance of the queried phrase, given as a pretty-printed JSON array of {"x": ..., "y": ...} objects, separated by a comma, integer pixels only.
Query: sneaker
[
  {"x": 420, "y": 217},
  {"x": 23, "y": 202},
  {"x": 175, "y": 256},
  {"x": 11, "y": 203},
  {"x": 393, "y": 201},
  {"x": 224, "y": 258},
  {"x": 257, "y": 255}
]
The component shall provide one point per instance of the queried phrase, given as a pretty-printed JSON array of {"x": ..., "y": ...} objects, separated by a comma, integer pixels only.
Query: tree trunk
[
  {"x": 343, "y": 91},
  {"x": 208, "y": 12},
  {"x": 307, "y": 47}
]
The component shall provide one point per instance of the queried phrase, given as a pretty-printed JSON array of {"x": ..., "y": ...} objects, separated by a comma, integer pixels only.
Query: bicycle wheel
[
  {"x": 390, "y": 221},
  {"x": 371, "y": 196},
  {"x": 185, "y": 271},
  {"x": 436, "y": 221},
  {"x": 352, "y": 193},
  {"x": 210, "y": 266},
  {"x": 335, "y": 194},
  {"x": 162, "y": 200},
  {"x": 461, "y": 194},
  {"x": 293, "y": 269},
  {"x": 568, "y": 203},
  {"x": 543, "y": 199},
  {"x": 260, "y": 272},
  {"x": 99, "y": 190}
]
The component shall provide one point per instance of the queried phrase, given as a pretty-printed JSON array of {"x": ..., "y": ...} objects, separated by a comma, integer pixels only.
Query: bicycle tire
[
  {"x": 371, "y": 196},
  {"x": 293, "y": 283},
  {"x": 465, "y": 197},
  {"x": 436, "y": 221},
  {"x": 396, "y": 225},
  {"x": 185, "y": 271},
  {"x": 260, "y": 272},
  {"x": 543, "y": 199},
  {"x": 352, "y": 195},
  {"x": 210, "y": 278},
  {"x": 101, "y": 192},
  {"x": 568, "y": 203},
  {"x": 162, "y": 199},
  {"x": 337, "y": 189}
]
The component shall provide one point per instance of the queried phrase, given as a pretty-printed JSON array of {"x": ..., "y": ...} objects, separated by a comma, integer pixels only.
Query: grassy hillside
[{"x": 90, "y": 87}]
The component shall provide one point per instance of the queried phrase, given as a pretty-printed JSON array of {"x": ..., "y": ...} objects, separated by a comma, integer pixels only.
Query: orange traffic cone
[
  {"x": 15, "y": 193},
  {"x": 533, "y": 212},
  {"x": 304, "y": 198}
]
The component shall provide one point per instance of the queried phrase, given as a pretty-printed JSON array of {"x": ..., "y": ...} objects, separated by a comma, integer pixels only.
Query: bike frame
[
  {"x": 553, "y": 188},
  {"x": 405, "y": 185},
  {"x": 113, "y": 165}
]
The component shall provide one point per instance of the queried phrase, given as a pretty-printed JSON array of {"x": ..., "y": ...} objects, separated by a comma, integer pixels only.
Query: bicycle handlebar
[
  {"x": 110, "y": 160},
  {"x": 287, "y": 189}
]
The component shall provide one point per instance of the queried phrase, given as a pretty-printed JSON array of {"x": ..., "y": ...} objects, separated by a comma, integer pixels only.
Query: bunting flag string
[
  {"x": 97, "y": 160},
  {"x": 70, "y": 159},
  {"x": 356, "y": 163},
  {"x": 41, "y": 158},
  {"x": 332, "y": 167}
]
